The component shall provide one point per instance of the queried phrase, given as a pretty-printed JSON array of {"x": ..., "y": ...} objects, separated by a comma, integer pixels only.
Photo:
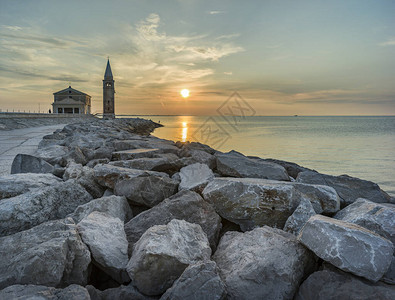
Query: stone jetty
[{"x": 103, "y": 210}]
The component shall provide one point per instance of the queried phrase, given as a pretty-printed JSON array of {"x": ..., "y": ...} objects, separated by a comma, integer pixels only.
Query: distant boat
[{"x": 295, "y": 115}]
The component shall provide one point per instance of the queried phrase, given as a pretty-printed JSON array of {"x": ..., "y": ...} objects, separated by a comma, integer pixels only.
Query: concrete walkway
[{"x": 21, "y": 141}]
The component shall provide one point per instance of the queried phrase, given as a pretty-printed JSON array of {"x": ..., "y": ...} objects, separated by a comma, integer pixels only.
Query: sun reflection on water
[{"x": 184, "y": 131}]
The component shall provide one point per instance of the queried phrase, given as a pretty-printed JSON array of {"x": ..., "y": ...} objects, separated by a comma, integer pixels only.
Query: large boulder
[
  {"x": 333, "y": 285},
  {"x": 53, "y": 154},
  {"x": 265, "y": 263},
  {"x": 299, "y": 217},
  {"x": 16, "y": 184},
  {"x": 348, "y": 188},
  {"x": 107, "y": 242},
  {"x": 199, "y": 281},
  {"x": 376, "y": 217},
  {"x": 235, "y": 164},
  {"x": 140, "y": 187},
  {"x": 252, "y": 202},
  {"x": 113, "y": 206},
  {"x": 164, "y": 252},
  {"x": 50, "y": 254},
  {"x": 40, "y": 205},
  {"x": 291, "y": 168},
  {"x": 185, "y": 205},
  {"x": 347, "y": 246},
  {"x": 122, "y": 292},
  {"x": 40, "y": 292},
  {"x": 85, "y": 177},
  {"x": 134, "y": 153},
  {"x": 195, "y": 177},
  {"x": 24, "y": 163},
  {"x": 159, "y": 164}
]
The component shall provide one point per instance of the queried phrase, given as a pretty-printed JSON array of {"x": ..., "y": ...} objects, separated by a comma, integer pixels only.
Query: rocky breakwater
[{"x": 103, "y": 210}]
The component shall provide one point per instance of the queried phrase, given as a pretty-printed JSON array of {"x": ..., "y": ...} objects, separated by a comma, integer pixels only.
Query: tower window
[
  {"x": 69, "y": 92},
  {"x": 108, "y": 84}
]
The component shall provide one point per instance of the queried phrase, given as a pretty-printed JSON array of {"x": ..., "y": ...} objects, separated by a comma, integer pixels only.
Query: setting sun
[{"x": 185, "y": 93}]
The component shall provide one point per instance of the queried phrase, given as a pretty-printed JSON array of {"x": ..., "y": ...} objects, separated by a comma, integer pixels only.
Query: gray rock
[
  {"x": 134, "y": 153},
  {"x": 235, "y": 164},
  {"x": 24, "y": 163},
  {"x": 265, "y": 263},
  {"x": 50, "y": 254},
  {"x": 109, "y": 175},
  {"x": 94, "y": 162},
  {"x": 160, "y": 164},
  {"x": 75, "y": 155},
  {"x": 195, "y": 177},
  {"x": 176, "y": 177},
  {"x": 389, "y": 276},
  {"x": 164, "y": 252},
  {"x": 291, "y": 168},
  {"x": 348, "y": 188},
  {"x": 198, "y": 156},
  {"x": 199, "y": 281},
  {"x": 113, "y": 206},
  {"x": 185, "y": 205},
  {"x": 373, "y": 216},
  {"x": 334, "y": 285},
  {"x": 252, "y": 202},
  {"x": 40, "y": 205},
  {"x": 40, "y": 292},
  {"x": 299, "y": 217},
  {"x": 85, "y": 177},
  {"x": 122, "y": 292},
  {"x": 16, "y": 184},
  {"x": 106, "y": 239},
  {"x": 53, "y": 154},
  {"x": 347, "y": 246}
]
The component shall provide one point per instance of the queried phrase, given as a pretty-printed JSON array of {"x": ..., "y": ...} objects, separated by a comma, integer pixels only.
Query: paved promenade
[{"x": 24, "y": 141}]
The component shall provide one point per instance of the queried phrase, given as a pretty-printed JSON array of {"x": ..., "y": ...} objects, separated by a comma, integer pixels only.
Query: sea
[{"x": 359, "y": 146}]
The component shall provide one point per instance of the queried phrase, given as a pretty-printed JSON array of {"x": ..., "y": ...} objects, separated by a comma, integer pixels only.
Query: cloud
[
  {"x": 228, "y": 73},
  {"x": 216, "y": 12},
  {"x": 389, "y": 42}
]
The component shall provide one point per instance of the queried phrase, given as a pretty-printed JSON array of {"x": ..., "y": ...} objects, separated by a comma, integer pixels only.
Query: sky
[{"x": 283, "y": 57}]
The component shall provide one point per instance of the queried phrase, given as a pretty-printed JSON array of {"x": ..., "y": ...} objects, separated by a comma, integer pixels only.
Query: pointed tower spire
[{"x": 108, "y": 73}]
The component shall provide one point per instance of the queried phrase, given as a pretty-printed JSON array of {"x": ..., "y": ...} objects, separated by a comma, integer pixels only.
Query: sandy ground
[{"x": 21, "y": 141}]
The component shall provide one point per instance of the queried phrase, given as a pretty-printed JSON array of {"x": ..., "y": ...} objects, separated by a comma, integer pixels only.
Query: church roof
[
  {"x": 108, "y": 73},
  {"x": 73, "y": 91}
]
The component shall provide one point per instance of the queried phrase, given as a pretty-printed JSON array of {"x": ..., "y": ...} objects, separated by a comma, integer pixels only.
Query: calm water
[{"x": 358, "y": 146}]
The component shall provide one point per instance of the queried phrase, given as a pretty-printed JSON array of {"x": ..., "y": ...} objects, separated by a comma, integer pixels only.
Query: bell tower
[{"x": 108, "y": 93}]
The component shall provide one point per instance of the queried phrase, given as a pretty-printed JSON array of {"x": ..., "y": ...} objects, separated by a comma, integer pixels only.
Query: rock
[
  {"x": 176, "y": 177},
  {"x": 94, "y": 162},
  {"x": 75, "y": 155},
  {"x": 325, "y": 285},
  {"x": 252, "y": 202},
  {"x": 389, "y": 276},
  {"x": 195, "y": 177},
  {"x": 348, "y": 188},
  {"x": 164, "y": 252},
  {"x": 21, "y": 292},
  {"x": 113, "y": 206},
  {"x": 191, "y": 146},
  {"x": 16, "y": 184},
  {"x": 199, "y": 281},
  {"x": 122, "y": 292},
  {"x": 347, "y": 246},
  {"x": 291, "y": 168},
  {"x": 24, "y": 163},
  {"x": 160, "y": 164},
  {"x": 185, "y": 205},
  {"x": 106, "y": 239},
  {"x": 85, "y": 177},
  {"x": 53, "y": 154},
  {"x": 265, "y": 263},
  {"x": 373, "y": 216},
  {"x": 198, "y": 156},
  {"x": 50, "y": 254},
  {"x": 146, "y": 190},
  {"x": 40, "y": 205},
  {"x": 108, "y": 175},
  {"x": 299, "y": 217},
  {"x": 235, "y": 164},
  {"x": 134, "y": 153}
]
